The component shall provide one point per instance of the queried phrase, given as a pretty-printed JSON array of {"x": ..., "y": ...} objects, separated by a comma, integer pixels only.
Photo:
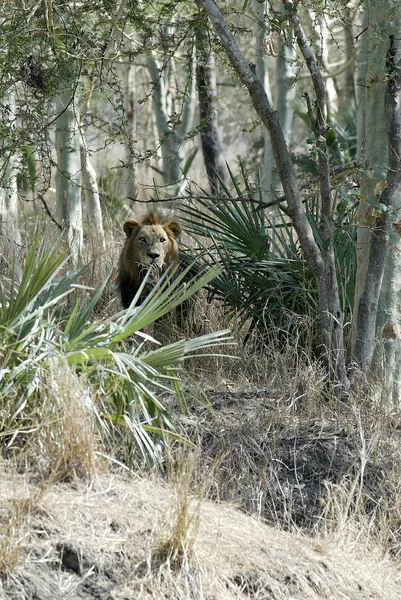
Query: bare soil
[
  {"x": 99, "y": 541},
  {"x": 269, "y": 470}
]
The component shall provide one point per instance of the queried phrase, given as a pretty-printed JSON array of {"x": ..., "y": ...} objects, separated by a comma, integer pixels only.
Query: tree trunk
[
  {"x": 172, "y": 137},
  {"x": 92, "y": 197},
  {"x": 89, "y": 179},
  {"x": 374, "y": 313},
  {"x": 130, "y": 186},
  {"x": 207, "y": 94},
  {"x": 9, "y": 221},
  {"x": 284, "y": 95},
  {"x": 379, "y": 313},
  {"x": 321, "y": 260},
  {"x": 68, "y": 177}
]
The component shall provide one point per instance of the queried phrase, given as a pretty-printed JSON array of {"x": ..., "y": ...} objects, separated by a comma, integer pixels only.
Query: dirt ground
[
  {"x": 106, "y": 539},
  {"x": 99, "y": 541}
]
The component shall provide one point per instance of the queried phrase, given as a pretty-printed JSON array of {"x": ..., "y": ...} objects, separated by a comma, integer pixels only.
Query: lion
[{"x": 151, "y": 243}]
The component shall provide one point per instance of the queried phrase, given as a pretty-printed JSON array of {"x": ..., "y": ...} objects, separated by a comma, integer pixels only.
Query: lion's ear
[
  {"x": 130, "y": 226},
  {"x": 174, "y": 227}
]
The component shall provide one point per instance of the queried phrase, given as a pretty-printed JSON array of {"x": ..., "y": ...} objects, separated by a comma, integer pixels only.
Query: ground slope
[{"x": 107, "y": 540}]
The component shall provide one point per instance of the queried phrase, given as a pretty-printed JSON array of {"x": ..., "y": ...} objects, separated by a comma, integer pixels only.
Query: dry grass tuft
[
  {"x": 181, "y": 523},
  {"x": 13, "y": 517},
  {"x": 65, "y": 444},
  {"x": 18, "y": 504}
]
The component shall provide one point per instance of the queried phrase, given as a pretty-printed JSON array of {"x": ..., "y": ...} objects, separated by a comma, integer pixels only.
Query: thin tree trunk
[
  {"x": 89, "y": 179},
  {"x": 262, "y": 71},
  {"x": 169, "y": 145},
  {"x": 92, "y": 197},
  {"x": 68, "y": 177},
  {"x": 349, "y": 88},
  {"x": 363, "y": 231},
  {"x": 131, "y": 188},
  {"x": 207, "y": 94},
  {"x": 172, "y": 139},
  {"x": 9, "y": 220},
  {"x": 329, "y": 300},
  {"x": 284, "y": 95}
]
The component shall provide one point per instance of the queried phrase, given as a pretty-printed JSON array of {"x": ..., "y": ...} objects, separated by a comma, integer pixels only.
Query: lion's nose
[{"x": 153, "y": 255}]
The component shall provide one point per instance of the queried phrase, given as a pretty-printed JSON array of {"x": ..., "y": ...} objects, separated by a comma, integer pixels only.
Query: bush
[
  {"x": 46, "y": 321},
  {"x": 265, "y": 282}
]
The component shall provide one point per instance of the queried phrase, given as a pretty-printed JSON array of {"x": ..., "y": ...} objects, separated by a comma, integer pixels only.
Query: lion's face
[{"x": 151, "y": 245}]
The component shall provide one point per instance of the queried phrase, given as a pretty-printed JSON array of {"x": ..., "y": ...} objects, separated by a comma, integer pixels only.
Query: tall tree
[
  {"x": 9, "y": 220},
  {"x": 318, "y": 250},
  {"x": 69, "y": 174},
  {"x": 283, "y": 86},
  {"x": 174, "y": 116},
  {"x": 376, "y": 304},
  {"x": 207, "y": 94}
]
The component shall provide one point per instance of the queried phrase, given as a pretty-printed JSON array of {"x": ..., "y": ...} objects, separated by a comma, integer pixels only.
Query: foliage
[
  {"x": 44, "y": 319},
  {"x": 265, "y": 281}
]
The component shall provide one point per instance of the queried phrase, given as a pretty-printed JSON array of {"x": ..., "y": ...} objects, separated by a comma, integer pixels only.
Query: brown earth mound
[{"x": 104, "y": 541}]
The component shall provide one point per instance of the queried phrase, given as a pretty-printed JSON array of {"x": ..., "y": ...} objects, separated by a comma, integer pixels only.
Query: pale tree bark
[
  {"x": 363, "y": 231},
  {"x": 89, "y": 179},
  {"x": 378, "y": 325},
  {"x": 9, "y": 220},
  {"x": 92, "y": 197},
  {"x": 282, "y": 99},
  {"x": 130, "y": 111},
  {"x": 265, "y": 50},
  {"x": 322, "y": 35},
  {"x": 361, "y": 90},
  {"x": 172, "y": 135},
  {"x": 320, "y": 258},
  {"x": 349, "y": 79},
  {"x": 68, "y": 176},
  {"x": 376, "y": 300},
  {"x": 209, "y": 129}
]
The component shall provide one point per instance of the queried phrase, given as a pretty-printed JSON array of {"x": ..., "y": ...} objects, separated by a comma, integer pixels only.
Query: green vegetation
[
  {"x": 265, "y": 283},
  {"x": 47, "y": 318}
]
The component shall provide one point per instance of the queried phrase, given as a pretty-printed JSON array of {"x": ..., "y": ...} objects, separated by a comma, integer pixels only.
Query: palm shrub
[
  {"x": 265, "y": 283},
  {"x": 44, "y": 319}
]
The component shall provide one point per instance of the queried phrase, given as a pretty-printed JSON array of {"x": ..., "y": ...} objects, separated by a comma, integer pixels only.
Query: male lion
[{"x": 151, "y": 244}]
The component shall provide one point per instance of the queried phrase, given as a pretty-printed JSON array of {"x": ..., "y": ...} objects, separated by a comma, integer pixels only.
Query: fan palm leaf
[{"x": 125, "y": 379}]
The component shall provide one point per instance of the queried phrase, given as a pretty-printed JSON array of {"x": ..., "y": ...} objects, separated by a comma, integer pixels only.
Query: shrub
[{"x": 44, "y": 321}]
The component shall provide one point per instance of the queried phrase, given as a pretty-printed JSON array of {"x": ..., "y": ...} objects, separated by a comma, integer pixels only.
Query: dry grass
[
  {"x": 18, "y": 502},
  {"x": 64, "y": 444},
  {"x": 114, "y": 526},
  {"x": 180, "y": 525},
  {"x": 274, "y": 442},
  {"x": 13, "y": 517}
]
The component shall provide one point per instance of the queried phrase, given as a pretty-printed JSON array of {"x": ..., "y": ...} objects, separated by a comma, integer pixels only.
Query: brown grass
[
  {"x": 180, "y": 525},
  {"x": 65, "y": 443},
  {"x": 114, "y": 525},
  {"x": 274, "y": 442}
]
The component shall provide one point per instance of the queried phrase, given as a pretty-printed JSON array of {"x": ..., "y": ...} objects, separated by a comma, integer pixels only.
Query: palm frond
[{"x": 124, "y": 380}]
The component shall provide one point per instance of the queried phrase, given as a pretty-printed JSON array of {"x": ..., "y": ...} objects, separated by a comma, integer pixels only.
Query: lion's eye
[
  {"x": 163, "y": 240},
  {"x": 142, "y": 239}
]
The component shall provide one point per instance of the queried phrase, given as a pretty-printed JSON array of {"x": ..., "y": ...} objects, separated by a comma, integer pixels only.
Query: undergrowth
[{"x": 269, "y": 434}]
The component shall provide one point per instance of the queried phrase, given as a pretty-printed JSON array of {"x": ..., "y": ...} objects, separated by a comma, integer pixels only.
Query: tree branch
[
  {"x": 387, "y": 191},
  {"x": 319, "y": 126}
]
